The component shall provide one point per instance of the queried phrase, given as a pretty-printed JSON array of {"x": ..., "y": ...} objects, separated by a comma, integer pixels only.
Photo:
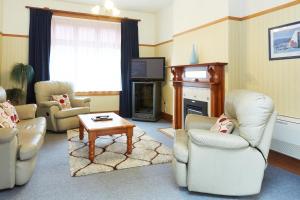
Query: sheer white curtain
[{"x": 86, "y": 53}]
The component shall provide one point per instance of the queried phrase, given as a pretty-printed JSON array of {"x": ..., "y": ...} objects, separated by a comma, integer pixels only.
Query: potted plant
[{"x": 21, "y": 74}]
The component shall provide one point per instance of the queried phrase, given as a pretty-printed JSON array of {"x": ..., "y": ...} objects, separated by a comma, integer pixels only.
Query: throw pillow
[
  {"x": 5, "y": 121},
  {"x": 223, "y": 125},
  {"x": 10, "y": 110},
  {"x": 63, "y": 100}
]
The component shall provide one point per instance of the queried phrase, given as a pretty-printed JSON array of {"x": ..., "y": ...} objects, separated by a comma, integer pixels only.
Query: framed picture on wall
[{"x": 284, "y": 41}]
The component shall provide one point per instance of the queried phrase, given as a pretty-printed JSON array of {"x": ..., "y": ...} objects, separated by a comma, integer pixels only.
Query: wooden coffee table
[{"x": 117, "y": 125}]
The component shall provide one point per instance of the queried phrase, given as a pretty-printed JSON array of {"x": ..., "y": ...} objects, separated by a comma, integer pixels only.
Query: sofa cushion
[
  {"x": 223, "y": 125},
  {"x": 26, "y": 111},
  {"x": 5, "y": 121},
  {"x": 71, "y": 112},
  {"x": 180, "y": 147},
  {"x": 63, "y": 100},
  {"x": 10, "y": 110},
  {"x": 32, "y": 131}
]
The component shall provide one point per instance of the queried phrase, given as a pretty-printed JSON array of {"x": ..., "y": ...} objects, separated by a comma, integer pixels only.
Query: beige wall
[
  {"x": 192, "y": 13},
  {"x": 0, "y": 57},
  {"x": 279, "y": 79},
  {"x": 164, "y": 24},
  {"x": 211, "y": 44},
  {"x": 165, "y": 50},
  {"x": 147, "y": 51},
  {"x": 14, "y": 50},
  {"x": 233, "y": 69},
  {"x": 244, "y": 45},
  {"x": 1, "y": 15}
]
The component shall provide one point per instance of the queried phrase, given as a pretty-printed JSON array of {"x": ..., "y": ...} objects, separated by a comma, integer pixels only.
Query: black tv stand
[{"x": 146, "y": 101}]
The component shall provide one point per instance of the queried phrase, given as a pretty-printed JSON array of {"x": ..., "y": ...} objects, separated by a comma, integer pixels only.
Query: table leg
[
  {"x": 92, "y": 138},
  {"x": 81, "y": 131},
  {"x": 129, "y": 140}
]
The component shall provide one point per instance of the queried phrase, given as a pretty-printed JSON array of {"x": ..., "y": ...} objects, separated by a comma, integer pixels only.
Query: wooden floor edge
[
  {"x": 285, "y": 162},
  {"x": 167, "y": 117}
]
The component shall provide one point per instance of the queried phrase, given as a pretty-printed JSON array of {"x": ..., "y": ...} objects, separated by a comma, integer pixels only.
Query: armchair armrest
[
  {"x": 7, "y": 134},
  {"x": 48, "y": 104},
  {"x": 199, "y": 122},
  {"x": 80, "y": 101},
  {"x": 29, "y": 149},
  {"x": 26, "y": 111},
  {"x": 217, "y": 140}
]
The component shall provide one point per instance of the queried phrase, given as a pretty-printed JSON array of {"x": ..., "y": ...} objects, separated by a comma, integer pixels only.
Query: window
[{"x": 86, "y": 53}]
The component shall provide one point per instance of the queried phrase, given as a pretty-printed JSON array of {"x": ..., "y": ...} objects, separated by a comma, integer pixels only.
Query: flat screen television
[{"x": 151, "y": 69}]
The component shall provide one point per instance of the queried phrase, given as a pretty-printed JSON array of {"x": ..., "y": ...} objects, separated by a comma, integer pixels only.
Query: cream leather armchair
[
  {"x": 19, "y": 146},
  {"x": 226, "y": 164},
  {"x": 59, "y": 120}
]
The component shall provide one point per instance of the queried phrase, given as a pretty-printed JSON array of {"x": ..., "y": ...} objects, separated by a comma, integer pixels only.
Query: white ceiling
[{"x": 137, "y": 5}]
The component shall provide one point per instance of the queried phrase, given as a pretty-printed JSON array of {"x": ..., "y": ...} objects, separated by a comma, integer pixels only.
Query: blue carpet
[{"x": 52, "y": 180}]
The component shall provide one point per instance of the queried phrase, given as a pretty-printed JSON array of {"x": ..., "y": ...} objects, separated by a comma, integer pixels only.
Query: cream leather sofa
[
  {"x": 19, "y": 146},
  {"x": 59, "y": 120},
  {"x": 228, "y": 164}
]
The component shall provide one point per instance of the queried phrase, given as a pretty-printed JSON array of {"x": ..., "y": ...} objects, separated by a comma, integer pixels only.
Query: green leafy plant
[{"x": 21, "y": 74}]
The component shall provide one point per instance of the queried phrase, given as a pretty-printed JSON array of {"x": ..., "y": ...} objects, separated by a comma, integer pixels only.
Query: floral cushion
[
  {"x": 223, "y": 125},
  {"x": 63, "y": 100},
  {"x": 10, "y": 110},
  {"x": 5, "y": 121}
]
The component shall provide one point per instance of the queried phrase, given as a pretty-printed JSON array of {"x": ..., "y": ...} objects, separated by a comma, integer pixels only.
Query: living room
[{"x": 139, "y": 99}]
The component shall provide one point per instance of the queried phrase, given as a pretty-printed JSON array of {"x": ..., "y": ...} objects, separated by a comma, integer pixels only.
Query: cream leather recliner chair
[
  {"x": 59, "y": 120},
  {"x": 226, "y": 164},
  {"x": 19, "y": 146}
]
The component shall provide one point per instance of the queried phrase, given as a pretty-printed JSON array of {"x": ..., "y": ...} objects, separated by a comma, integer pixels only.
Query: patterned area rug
[
  {"x": 110, "y": 152},
  {"x": 170, "y": 132}
]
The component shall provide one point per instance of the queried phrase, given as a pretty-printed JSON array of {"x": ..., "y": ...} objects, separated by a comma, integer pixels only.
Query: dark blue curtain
[
  {"x": 39, "y": 47},
  {"x": 129, "y": 50}
]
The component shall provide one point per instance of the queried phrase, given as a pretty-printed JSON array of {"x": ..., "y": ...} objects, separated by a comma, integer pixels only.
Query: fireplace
[
  {"x": 194, "y": 107},
  {"x": 209, "y": 76}
]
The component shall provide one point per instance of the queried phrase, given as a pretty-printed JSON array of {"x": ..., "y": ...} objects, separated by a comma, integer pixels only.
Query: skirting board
[
  {"x": 286, "y": 138},
  {"x": 167, "y": 117},
  {"x": 286, "y": 148}
]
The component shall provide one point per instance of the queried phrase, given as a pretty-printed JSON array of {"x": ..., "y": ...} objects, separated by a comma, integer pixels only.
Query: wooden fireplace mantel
[{"x": 215, "y": 80}]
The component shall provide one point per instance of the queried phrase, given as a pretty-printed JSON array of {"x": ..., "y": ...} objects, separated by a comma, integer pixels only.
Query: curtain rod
[{"x": 84, "y": 15}]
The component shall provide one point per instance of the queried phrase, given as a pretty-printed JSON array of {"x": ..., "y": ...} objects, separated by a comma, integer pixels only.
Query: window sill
[{"x": 98, "y": 93}]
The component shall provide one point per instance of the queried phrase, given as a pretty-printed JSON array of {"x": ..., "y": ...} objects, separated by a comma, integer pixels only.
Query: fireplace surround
[{"x": 206, "y": 75}]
